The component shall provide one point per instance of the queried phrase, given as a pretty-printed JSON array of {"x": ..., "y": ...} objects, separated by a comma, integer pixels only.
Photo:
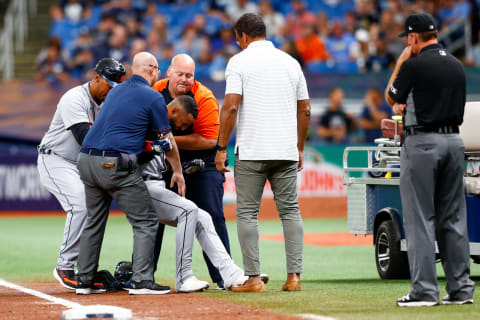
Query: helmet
[
  {"x": 123, "y": 271},
  {"x": 111, "y": 71}
]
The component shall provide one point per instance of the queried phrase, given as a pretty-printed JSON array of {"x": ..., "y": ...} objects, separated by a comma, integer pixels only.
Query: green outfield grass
[{"x": 339, "y": 282}]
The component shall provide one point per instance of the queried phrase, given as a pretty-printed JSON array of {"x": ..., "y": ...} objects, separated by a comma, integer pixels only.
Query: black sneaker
[
  {"x": 448, "y": 300},
  {"x": 83, "y": 288},
  {"x": 147, "y": 287},
  {"x": 66, "y": 278},
  {"x": 407, "y": 301}
]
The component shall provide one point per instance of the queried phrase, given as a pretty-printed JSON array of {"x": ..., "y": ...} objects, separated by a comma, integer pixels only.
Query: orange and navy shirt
[{"x": 207, "y": 123}]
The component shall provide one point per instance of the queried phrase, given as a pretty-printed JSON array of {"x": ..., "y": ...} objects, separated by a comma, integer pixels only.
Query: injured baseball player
[{"x": 177, "y": 211}]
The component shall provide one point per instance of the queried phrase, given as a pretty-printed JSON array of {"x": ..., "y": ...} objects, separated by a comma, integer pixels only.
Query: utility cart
[{"x": 374, "y": 203}]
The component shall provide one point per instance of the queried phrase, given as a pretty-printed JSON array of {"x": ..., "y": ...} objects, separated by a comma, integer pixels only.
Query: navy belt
[
  {"x": 434, "y": 129},
  {"x": 102, "y": 153},
  {"x": 43, "y": 150}
]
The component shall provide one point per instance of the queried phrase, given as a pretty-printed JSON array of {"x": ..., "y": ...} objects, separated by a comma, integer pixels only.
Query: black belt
[
  {"x": 434, "y": 129},
  {"x": 97, "y": 152}
]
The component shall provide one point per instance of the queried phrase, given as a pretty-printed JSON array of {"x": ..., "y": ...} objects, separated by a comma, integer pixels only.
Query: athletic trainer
[
  {"x": 428, "y": 88},
  {"x": 108, "y": 168}
]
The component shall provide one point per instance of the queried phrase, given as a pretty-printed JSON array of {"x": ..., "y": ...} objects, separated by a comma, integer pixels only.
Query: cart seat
[
  {"x": 390, "y": 128},
  {"x": 469, "y": 129}
]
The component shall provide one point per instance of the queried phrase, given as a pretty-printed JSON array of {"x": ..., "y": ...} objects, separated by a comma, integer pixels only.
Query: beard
[{"x": 172, "y": 125}]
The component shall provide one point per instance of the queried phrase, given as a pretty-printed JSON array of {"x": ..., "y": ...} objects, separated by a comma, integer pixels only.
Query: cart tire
[{"x": 391, "y": 262}]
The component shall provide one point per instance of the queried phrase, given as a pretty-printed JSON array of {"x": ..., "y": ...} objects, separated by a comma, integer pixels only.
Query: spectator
[
  {"x": 134, "y": 29},
  {"x": 452, "y": 11},
  {"x": 237, "y": 8},
  {"x": 373, "y": 112},
  {"x": 350, "y": 21},
  {"x": 380, "y": 60},
  {"x": 138, "y": 45},
  {"x": 335, "y": 124},
  {"x": 274, "y": 21},
  {"x": 366, "y": 13},
  {"x": 310, "y": 47},
  {"x": 190, "y": 43},
  {"x": 225, "y": 41},
  {"x": 289, "y": 47},
  {"x": 104, "y": 29},
  {"x": 199, "y": 24},
  {"x": 339, "y": 46},
  {"x": 73, "y": 10},
  {"x": 159, "y": 26},
  {"x": 121, "y": 9},
  {"x": 117, "y": 46},
  {"x": 362, "y": 49},
  {"x": 82, "y": 63},
  {"x": 51, "y": 67},
  {"x": 322, "y": 25},
  {"x": 297, "y": 19}
]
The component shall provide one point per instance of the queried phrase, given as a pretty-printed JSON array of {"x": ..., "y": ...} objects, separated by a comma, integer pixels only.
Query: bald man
[
  {"x": 107, "y": 165},
  {"x": 204, "y": 187}
]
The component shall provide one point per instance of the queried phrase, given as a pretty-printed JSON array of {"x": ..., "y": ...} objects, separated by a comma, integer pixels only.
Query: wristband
[{"x": 220, "y": 148}]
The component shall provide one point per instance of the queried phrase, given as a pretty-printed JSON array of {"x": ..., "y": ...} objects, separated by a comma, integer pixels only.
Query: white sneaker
[
  {"x": 240, "y": 281},
  {"x": 192, "y": 284}
]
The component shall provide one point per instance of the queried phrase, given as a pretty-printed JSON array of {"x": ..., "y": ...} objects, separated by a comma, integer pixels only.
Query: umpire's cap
[
  {"x": 418, "y": 22},
  {"x": 111, "y": 71}
]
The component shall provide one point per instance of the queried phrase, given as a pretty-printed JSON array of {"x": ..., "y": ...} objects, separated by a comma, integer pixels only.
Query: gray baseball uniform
[
  {"x": 57, "y": 167},
  {"x": 177, "y": 211}
]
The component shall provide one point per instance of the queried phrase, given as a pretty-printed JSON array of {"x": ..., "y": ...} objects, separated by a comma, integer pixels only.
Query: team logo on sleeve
[{"x": 393, "y": 89}]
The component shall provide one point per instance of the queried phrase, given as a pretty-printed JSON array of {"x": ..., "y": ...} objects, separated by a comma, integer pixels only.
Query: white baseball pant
[
  {"x": 177, "y": 211},
  {"x": 61, "y": 178}
]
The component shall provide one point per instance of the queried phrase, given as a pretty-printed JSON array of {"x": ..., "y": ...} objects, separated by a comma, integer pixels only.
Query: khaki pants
[{"x": 250, "y": 179}]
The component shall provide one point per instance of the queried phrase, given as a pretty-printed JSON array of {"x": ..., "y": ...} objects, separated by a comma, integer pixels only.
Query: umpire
[
  {"x": 107, "y": 166},
  {"x": 427, "y": 87}
]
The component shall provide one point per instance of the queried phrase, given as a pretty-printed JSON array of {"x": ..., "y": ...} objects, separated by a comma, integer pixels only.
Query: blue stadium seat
[
  {"x": 202, "y": 70},
  {"x": 318, "y": 67}
]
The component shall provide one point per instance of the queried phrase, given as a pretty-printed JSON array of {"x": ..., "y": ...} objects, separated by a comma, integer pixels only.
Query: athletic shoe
[
  {"x": 407, "y": 301},
  {"x": 83, "y": 288},
  {"x": 448, "y": 300},
  {"x": 127, "y": 285},
  {"x": 148, "y": 287},
  {"x": 192, "y": 284},
  {"x": 220, "y": 285},
  {"x": 240, "y": 281},
  {"x": 66, "y": 278}
]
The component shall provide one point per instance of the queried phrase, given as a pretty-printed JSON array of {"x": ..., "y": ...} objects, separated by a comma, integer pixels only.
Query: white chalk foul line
[
  {"x": 63, "y": 302},
  {"x": 312, "y": 316}
]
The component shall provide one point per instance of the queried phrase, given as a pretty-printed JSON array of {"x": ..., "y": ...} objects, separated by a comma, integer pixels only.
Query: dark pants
[
  {"x": 205, "y": 189},
  {"x": 433, "y": 202},
  {"x": 104, "y": 182}
]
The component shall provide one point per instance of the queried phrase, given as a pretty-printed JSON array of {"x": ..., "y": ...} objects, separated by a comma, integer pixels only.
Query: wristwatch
[{"x": 220, "y": 148}]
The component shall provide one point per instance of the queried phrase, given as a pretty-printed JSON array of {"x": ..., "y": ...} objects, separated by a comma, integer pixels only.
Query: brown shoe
[
  {"x": 292, "y": 283},
  {"x": 254, "y": 287}
]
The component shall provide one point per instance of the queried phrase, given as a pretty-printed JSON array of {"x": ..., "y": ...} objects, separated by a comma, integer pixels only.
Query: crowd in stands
[
  {"x": 336, "y": 126},
  {"x": 341, "y": 36},
  {"x": 345, "y": 36}
]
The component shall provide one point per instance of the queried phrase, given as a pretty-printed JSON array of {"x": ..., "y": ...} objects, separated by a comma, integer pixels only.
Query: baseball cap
[
  {"x": 111, "y": 71},
  {"x": 418, "y": 22}
]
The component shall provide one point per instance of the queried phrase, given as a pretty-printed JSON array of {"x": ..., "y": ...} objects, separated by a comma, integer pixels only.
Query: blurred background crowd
[
  {"x": 325, "y": 36},
  {"x": 348, "y": 36}
]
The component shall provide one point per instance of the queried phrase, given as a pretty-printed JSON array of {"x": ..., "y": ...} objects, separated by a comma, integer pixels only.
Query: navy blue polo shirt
[{"x": 131, "y": 111}]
